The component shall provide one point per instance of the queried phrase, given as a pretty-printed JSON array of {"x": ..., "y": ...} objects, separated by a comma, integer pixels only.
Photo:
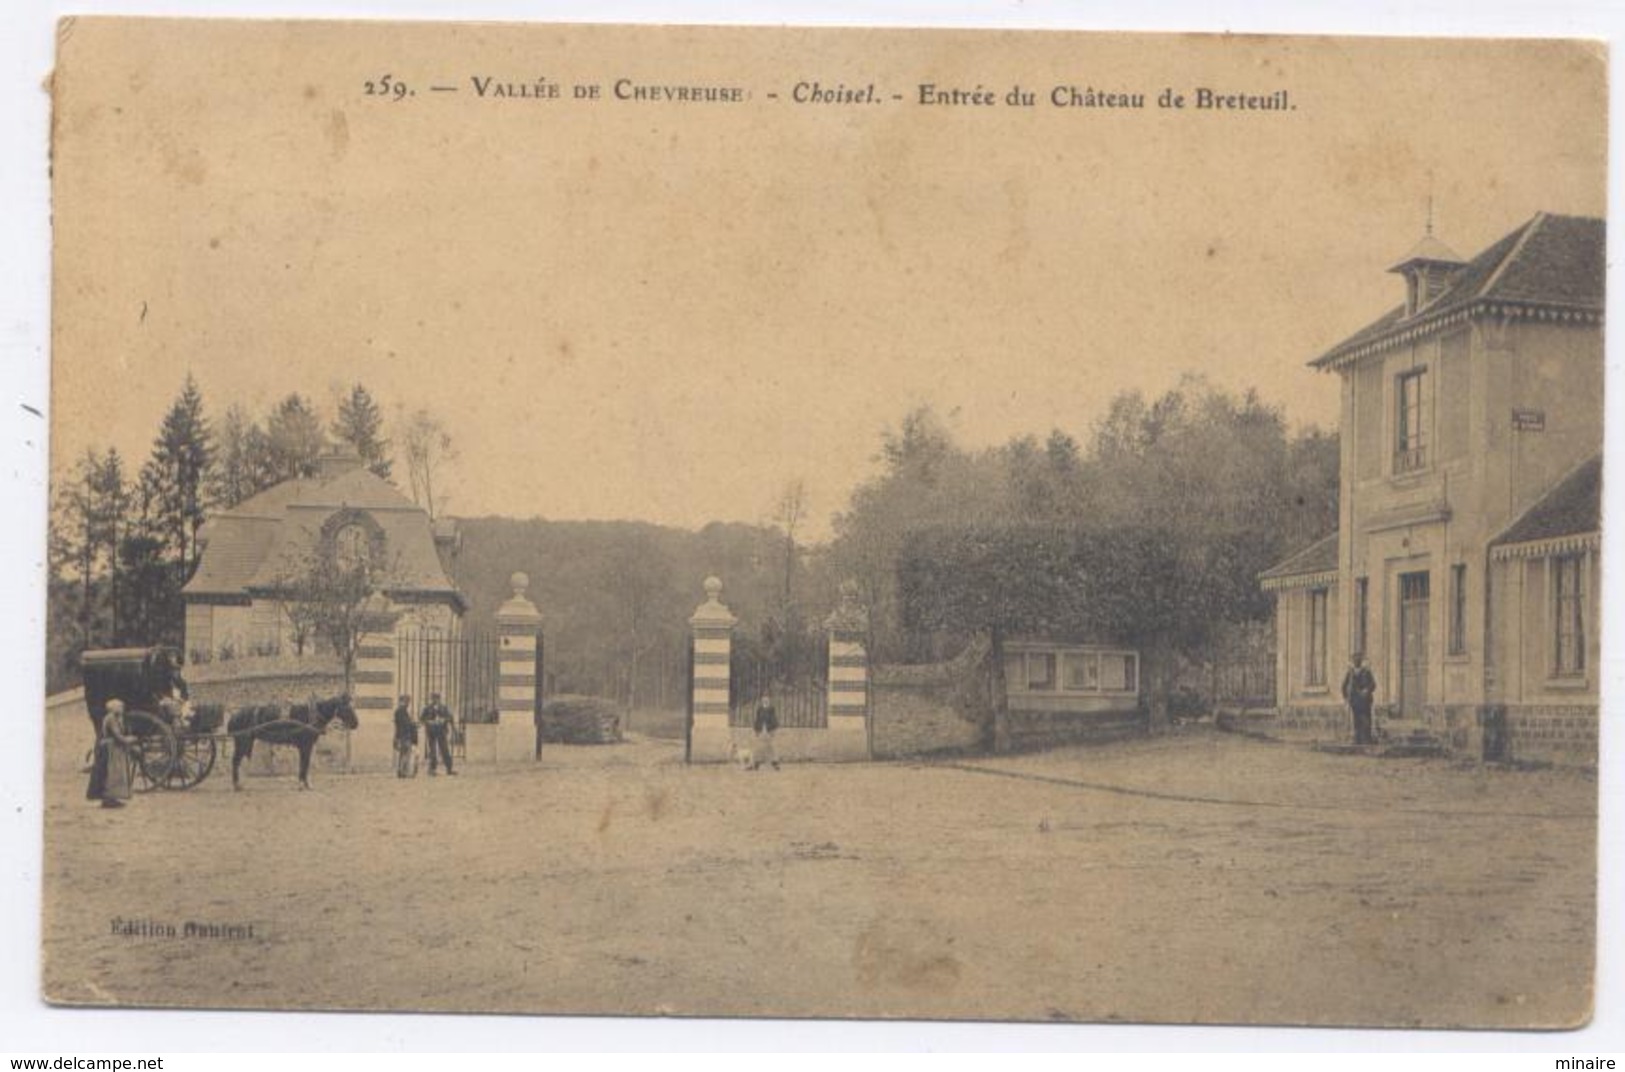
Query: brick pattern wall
[
  {"x": 1561, "y": 734},
  {"x": 1564, "y": 734}
]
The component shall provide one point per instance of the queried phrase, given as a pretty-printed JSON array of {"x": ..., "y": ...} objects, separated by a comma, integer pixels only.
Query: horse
[{"x": 297, "y": 724}]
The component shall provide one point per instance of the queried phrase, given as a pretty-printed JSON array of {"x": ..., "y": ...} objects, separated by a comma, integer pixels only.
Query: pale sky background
[{"x": 665, "y": 312}]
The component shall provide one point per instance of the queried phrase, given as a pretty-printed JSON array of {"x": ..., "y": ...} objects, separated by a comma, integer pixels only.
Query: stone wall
[
  {"x": 264, "y": 680},
  {"x": 1293, "y": 722},
  {"x": 1031, "y": 730},
  {"x": 916, "y": 720},
  {"x": 930, "y": 709},
  {"x": 1562, "y": 734},
  {"x": 274, "y": 679}
]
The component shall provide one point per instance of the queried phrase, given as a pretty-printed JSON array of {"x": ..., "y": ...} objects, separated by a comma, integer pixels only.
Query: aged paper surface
[{"x": 853, "y": 321}]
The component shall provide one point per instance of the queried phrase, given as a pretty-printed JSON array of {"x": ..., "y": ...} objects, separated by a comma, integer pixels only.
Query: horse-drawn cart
[{"x": 174, "y": 744}]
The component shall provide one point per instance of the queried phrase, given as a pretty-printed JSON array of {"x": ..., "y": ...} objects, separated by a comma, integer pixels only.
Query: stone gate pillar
[
  {"x": 713, "y": 626},
  {"x": 519, "y": 690},
  {"x": 372, "y": 686},
  {"x": 848, "y": 676}
]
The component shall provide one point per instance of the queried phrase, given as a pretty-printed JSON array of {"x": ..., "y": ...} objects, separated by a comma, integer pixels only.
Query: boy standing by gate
[{"x": 766, "y": 725}]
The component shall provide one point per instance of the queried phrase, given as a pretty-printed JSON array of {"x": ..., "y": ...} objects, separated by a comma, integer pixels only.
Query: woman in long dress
[{"x": 110, "y": 772}]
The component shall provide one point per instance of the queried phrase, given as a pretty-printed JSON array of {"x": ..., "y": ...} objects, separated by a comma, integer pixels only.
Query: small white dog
[{"x": 742, "y": 755}]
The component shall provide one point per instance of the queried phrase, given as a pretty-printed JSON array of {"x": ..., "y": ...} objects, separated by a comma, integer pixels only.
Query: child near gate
[{"x": 766, "y": 725}]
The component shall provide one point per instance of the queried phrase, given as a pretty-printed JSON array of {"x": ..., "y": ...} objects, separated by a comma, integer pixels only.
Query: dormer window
[{"x": 1428, "y": 269}]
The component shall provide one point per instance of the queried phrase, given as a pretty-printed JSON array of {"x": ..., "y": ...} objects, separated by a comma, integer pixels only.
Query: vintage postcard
[{"x": 825, "y": 523}]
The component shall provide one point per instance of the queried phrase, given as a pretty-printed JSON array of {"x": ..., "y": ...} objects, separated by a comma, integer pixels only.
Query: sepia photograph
[{"x": 837, "y": 523}]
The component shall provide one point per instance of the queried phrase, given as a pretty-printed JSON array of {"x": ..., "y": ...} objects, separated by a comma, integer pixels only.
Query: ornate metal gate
[{"x": 462, "y": 669}]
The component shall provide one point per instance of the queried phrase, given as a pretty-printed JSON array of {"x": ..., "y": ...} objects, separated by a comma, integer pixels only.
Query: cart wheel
[
  {"x": 154, "y": 751},
  {"x": 193, "y": 762}
]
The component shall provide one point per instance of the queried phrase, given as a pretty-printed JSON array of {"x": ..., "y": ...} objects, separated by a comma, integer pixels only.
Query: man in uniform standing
[
  {"x": 437, "y": 725},
  {"x": 1359, "y": 690}
]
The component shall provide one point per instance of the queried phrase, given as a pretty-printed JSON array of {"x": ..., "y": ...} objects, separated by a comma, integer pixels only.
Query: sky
[{"x": 667, "y": 312}]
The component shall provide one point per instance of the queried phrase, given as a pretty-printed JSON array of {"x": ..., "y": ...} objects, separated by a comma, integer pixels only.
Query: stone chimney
[{"x": 340, "y": 459}]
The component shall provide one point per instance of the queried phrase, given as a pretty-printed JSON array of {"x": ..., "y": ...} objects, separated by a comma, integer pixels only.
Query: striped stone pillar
[
  {"x": 848, "y": 677},
  {"x": 519, "y": 693},
  {"x": 372, "y": 685},
  {"x": 372, "y": 679},
  {"x": 713, "y": 626}
]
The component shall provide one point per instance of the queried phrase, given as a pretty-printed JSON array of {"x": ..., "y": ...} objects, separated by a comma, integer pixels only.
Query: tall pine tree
[
  {"x": 295, "y": 439},
  {"x": 178, "y": 469},
  {"x": 360, "y": 424},
  {"x": 243, "y": 466}
]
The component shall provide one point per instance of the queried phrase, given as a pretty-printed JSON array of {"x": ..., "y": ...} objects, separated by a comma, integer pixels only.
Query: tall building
[{"x": 1465, "y": 564}]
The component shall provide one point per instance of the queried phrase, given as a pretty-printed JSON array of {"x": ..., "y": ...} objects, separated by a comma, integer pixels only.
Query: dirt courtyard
[{"x": 1192, "y": 878}]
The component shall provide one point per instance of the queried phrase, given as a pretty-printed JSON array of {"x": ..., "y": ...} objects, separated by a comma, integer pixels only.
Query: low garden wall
[{"x": 930, "y": 709}]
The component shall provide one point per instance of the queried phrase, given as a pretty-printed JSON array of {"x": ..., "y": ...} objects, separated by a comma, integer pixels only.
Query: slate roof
[
  {"x": 1318, "y": 557},
  {"x": 1552, "y": 262},
  {"x": 264, "y": 538},
  {"x": 1572, "y": 508}
]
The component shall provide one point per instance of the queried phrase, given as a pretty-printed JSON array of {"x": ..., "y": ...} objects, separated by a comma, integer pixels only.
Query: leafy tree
[
  {"x": 360, "y": 423},
  {"x": 788, "y": 513},
  {"x": 326, "y": 594},
  {"x": 429, "y": 449},
  {"x": 1154, "y": 536}
]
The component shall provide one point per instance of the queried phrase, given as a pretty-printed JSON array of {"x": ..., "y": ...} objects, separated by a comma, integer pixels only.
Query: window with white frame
[
  {"x": 1119, "y": 672},
  {"x": 1413, "y": 408},
  {"x": 1315, "y": 671},
  {"x": 1568, "y": 616},
  {"x": 1074, "y": 670},
  {"x": 1040, "y": 671},
  {"x": 1080, "y": 671}
]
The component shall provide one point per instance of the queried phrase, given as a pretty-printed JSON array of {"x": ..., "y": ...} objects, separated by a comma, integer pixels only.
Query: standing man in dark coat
[
  {"x": 406, "y": 738},
  {"x": 1359, "y": 689},
  {"x": 437, "y": 725}
]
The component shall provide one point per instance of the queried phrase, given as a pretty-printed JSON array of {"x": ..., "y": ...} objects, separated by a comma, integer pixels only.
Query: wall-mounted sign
[{"x": 1528, "y": 420}]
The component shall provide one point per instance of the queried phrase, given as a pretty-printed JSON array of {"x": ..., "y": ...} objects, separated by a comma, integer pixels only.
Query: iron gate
[
  {"x": 462, "y": 669},
  {"x": 800, "y": 701}
]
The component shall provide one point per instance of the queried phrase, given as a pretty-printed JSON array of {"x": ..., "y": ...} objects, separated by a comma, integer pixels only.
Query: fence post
[
  {"x": 712, "y": 645},
  {"x": 519, "y": 694},
  {"x": 848, "y": 676}
]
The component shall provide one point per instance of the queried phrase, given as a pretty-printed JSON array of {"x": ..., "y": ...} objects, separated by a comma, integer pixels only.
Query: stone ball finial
[
  {"x": 713, "y": 588},
  {"x": 520, "y": 581}
]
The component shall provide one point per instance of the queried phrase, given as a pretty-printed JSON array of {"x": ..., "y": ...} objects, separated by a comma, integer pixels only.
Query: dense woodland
[{"x": 1151, "y": 528}]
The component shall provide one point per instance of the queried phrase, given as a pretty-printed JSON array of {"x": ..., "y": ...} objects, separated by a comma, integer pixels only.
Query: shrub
[{"x": 581, "y": 720}]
